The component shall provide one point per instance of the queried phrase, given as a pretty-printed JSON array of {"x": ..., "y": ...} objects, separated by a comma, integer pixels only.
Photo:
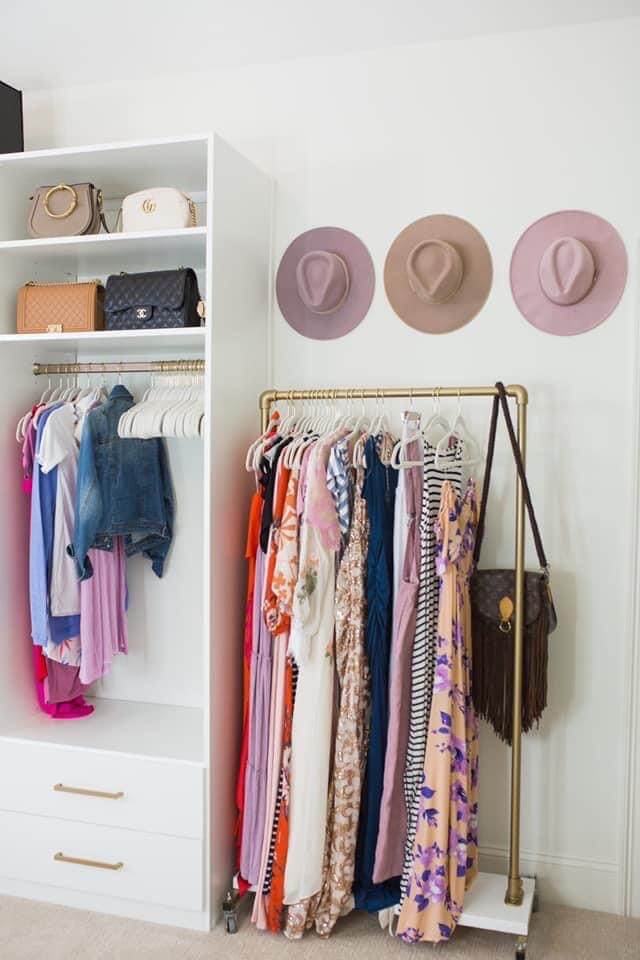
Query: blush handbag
[
  {"x": 66, "y": 210},
  {"x": 60, "y": 307},
  {"x": 152, "y": 301},
  {"x": 158, "y": 208},
  {"x": 493, "y": 609}
]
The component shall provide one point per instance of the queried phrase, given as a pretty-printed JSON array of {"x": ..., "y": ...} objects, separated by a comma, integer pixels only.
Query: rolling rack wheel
[
  {"x": 521, "y": 949},
  {"x": 230, "y": 912}
]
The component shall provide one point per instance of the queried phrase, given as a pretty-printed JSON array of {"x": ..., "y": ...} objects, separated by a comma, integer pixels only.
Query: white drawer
[
  {"x": 154, "y": 868},
  {"x": 141, "y": 794}
]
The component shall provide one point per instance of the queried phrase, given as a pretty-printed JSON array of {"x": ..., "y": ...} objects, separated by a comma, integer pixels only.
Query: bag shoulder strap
[{"x": 500, "y": 401}]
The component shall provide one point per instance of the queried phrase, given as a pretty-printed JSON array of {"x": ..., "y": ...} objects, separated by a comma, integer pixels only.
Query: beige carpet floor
[{"x": 35, "y": 931}]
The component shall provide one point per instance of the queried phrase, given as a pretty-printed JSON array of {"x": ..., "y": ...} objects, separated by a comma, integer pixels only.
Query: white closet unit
[{"x": 155, "y": 763}]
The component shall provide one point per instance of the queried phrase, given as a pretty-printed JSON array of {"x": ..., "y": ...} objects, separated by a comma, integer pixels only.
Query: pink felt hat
[
  {"x": 568, "y": 272},
  {"x": 325, "y": 283},
  {"x": 438, "y": 273}
]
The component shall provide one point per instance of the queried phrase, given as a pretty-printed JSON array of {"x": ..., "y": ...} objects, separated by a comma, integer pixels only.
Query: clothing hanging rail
[
  {"x": 515, "y": 890},
  {"x": 127, "y": 366}
]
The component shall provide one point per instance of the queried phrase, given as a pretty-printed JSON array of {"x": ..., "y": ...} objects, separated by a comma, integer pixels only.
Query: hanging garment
[
  {"x": 54, "y": 681},
  {"x": 311, "y": 644},
  {"x": 103, "y": 612},
  {"x": 255, "y": 784},
  {"x": 277, "y": 704},
  {"x": 444, "y": 857},
  {"x": 340, "y": 486},
  {"x": 336, "y": 898},
  {"x": 379, "y": 492},
  {"x": 253, "y": 537},
  {"x": 59, "y": 448},
  {"x": 424, "y": 646},
  {"x": 392, "y": 830},
  {"x": 123, "y": 489},
  {"x": 44, "y": 627},
  {"x": 280, "y": 610},
  {"x": 274, "y": 881}
]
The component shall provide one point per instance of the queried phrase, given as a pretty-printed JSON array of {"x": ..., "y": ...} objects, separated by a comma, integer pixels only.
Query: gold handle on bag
[
  {"x": 80, "y": 861},
  {"x": 84, "y": 792},
  {"x": 72, "y": 205}
]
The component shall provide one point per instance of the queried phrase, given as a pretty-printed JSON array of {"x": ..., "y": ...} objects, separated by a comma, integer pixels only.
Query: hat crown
[
  {"x": 567, "y": 271},
  {"x": 434, "y": 270},
  {"x": 323, "y": 281}
]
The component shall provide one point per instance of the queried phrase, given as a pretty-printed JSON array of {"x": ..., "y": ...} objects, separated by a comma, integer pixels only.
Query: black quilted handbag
[
  {"x": 152, "y": 301},
  {"x": 493, "y": 614}
]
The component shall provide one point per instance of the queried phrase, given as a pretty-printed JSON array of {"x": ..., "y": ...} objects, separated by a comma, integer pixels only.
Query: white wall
[{"x": 499, "y": 130}]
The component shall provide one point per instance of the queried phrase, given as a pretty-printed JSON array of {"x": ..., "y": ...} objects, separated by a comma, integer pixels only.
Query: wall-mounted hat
[
  {"x": 568, "y": 272},
  {"x": 438, "y": 273},
  {"x": 325, "y": 283}
]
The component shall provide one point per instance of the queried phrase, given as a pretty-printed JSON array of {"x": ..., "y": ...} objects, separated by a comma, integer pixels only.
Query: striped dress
[{"x": 424, "y": 647}]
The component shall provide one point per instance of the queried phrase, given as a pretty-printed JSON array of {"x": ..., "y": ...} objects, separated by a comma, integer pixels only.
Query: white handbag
[{"x": 158, "y": 208}]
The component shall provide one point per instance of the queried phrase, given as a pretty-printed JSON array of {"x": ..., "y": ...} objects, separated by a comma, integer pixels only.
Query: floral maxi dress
[{"x": 445, "y": 854}]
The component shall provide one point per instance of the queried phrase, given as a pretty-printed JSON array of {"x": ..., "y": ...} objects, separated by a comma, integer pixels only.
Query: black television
[{"x": 11, "y": 131}]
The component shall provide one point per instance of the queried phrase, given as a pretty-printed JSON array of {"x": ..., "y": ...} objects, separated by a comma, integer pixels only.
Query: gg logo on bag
[{"x": 149, "y": 205}]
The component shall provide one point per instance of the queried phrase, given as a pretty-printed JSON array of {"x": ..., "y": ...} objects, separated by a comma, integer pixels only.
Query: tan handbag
[
  {"x": 66, "y": 210},
  {"x": 60, "y": 307}
]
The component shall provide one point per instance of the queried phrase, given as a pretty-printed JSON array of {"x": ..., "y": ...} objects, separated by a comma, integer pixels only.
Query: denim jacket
[{"x": 123, "y": 489}]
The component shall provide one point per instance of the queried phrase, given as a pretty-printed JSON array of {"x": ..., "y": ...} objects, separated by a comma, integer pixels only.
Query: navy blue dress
[{"x": 379, "y": 492}]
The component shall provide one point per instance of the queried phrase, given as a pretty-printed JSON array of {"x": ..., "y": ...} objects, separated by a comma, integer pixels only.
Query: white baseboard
[{"x": 570, "y": 881}]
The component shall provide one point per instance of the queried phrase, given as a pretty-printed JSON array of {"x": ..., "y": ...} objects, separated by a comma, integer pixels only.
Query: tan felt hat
[{"x": 438, "y": 273}]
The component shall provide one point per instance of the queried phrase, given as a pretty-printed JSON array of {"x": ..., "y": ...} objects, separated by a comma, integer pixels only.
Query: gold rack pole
[
  {"x": 126, "y": 366},
  {"x": 514, "y": 893}
]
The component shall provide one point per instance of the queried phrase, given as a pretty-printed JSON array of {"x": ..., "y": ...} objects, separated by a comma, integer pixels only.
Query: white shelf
[
  {"x": 117, "y": 168},
  {"x": 485, "y": 909},
  {"x": 106, "y": 253},
  {"x": 120, "y": 726},
  {"x": 111, "y": 343}
]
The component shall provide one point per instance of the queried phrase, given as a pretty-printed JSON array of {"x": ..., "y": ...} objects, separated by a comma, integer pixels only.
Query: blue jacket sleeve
[
  {"x": 88, "y": 502},
  {"x": 158, "y": 553}
]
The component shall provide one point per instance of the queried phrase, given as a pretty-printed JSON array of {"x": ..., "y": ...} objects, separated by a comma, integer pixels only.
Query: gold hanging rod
[
  {"x": 376, "y": 393},
  {"x": 125, "y": 366}
]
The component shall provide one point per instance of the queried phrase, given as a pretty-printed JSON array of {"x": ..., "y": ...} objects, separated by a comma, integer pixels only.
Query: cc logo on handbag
[{"x": 148, "y": 205}]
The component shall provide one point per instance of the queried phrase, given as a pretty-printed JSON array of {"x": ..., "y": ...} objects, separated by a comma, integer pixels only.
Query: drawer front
[
  {"x": 121, "y": 863},
  {"x": 109, "y": 789}
]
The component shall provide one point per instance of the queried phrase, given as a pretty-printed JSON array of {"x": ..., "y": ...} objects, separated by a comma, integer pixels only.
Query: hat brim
[
  {"x": 353, "y": 310},
  {"x": 609, "y": 252},
  {"x": 472, "y": 292}
]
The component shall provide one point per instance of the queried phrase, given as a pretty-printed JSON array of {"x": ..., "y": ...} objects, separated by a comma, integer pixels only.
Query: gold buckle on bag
[{"x": 72, "y": 205}]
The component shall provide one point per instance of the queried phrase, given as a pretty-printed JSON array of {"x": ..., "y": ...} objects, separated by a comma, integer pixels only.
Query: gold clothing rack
[
  {"x": 515, "y": 891},
  {"x": 127, "y": 366}
]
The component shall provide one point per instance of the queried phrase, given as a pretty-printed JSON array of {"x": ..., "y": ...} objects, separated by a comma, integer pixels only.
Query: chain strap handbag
[
  {"x": 493, "y": 610},
  {"x": 66, "y": 210},
  {"x": 60, "y": 307},
  {"x": 152, "y": 301}
]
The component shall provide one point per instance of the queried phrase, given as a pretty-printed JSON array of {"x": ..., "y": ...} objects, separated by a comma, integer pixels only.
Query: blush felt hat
[
  {"x": 325, "y": 283},
  {"x": 438, "y": 273},
  {"x": 568, "y": 272}
]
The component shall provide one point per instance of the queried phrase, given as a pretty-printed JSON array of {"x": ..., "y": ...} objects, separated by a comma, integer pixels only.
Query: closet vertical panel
[
  {"x": 237, "y": 344},
  {"x": 16, "y": 686}
]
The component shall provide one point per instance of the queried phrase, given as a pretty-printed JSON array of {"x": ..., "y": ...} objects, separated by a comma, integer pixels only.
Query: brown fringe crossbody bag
[{"x": 493, "y": 609}]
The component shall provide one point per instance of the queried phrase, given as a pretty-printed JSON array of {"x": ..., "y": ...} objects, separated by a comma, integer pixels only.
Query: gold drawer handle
[
  {"x": 83, "y": 792},
  {"x": 101, "y": 864}
]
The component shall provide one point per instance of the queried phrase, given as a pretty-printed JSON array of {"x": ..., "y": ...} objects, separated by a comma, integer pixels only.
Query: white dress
[{"x": 311, "y": 640}]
